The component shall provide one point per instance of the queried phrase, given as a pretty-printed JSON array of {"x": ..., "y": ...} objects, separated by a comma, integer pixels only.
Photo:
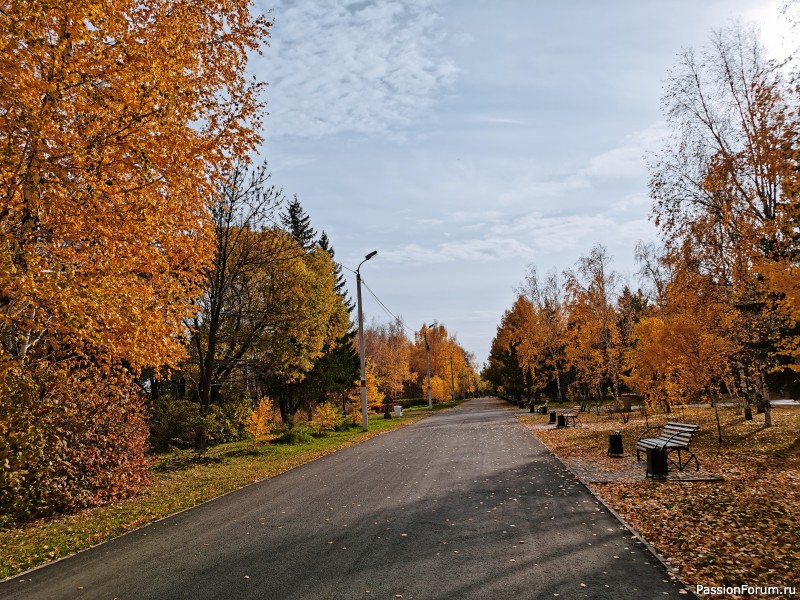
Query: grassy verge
[
  {"x": 177, "y": 482},
  {"x": 742, "y": 530}
]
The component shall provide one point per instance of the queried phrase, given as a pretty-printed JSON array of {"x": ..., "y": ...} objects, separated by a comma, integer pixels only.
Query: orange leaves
[
  {"x": 117, "y": 120},
  {"x": 390, "y": 349},
  {"x": 744, "y": 529},
  {"x": 114, "y": 128}
]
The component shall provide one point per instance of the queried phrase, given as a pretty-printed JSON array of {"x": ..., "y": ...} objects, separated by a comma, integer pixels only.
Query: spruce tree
[
  {"x": 337, "y": 369},
  {"x": 298, "y": 223}
]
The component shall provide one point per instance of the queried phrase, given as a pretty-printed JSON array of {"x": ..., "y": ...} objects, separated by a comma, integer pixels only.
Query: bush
[
  {"x": 227, "y": 422},
  {"x": 326, "y": 417},
  {"x": 261, "y": 421},
  {"x": 70, "y": 438},
  {"x": 173, "y": 422},
  {"x": 296, "y": 435}
]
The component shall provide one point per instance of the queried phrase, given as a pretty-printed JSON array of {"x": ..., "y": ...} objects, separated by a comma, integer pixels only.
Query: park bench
[
  {"x": 672, "y": 438},
  {"x": 571, "y": 414}
]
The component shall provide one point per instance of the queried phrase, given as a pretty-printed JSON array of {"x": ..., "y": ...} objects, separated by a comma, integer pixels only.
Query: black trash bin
[
  {"x": 615, "y": 445},
  {"x": 656, "y": 463},
  {"x": 562, "y": 421},
  {"x": 552, "y": 416}
]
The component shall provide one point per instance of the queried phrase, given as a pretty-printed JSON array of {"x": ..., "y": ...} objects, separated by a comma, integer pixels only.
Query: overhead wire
[{"x": 390, "y": 313}]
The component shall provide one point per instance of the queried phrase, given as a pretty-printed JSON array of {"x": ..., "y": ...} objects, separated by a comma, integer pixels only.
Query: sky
[{"x": 467, "y": 140}]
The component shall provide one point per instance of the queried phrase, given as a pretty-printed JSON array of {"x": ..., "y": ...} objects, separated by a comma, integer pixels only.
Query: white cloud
[
  {"x": 525, "y": 237},
  {"x": 466, "y": 250},
  {"x": 352, "y": 67},
  {"x": 638, "y": 201},
  {"x": 628, "y": 159},
  {"x": 496, "y": 120}
]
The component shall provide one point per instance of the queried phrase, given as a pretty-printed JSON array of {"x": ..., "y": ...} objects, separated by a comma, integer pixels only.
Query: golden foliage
[
  {"x": 117, "y": 120},
  {"x": 325, "y": 417},
  {"x": 261, "y": 421},
  {"x": 114, "y": 129},
  {"x": 374, "y": 395}
]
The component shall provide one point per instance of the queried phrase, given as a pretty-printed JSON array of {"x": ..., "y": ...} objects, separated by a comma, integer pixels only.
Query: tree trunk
[
  {"x": 767, "y": 404},
  {"x": 715, "y": 404}
]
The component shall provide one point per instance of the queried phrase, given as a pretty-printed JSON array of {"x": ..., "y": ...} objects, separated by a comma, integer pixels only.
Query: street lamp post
[
  {"x": 428, "y": 370},
  {"x": 452, "y": 380},
  {"x": 364, "y": 415}
]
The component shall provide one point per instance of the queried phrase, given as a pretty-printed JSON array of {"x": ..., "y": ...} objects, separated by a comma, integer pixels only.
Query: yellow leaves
[
  {"x": 110, "y": 121},
  {"x": 374, "y": 395},
  {"x": 326, "y": 416},
  {"x": 261, "y": 421},
  {"x": 390, "y": 349},
  {"x": 734, "y": 530},
  {"x": 443, "y": 347}
]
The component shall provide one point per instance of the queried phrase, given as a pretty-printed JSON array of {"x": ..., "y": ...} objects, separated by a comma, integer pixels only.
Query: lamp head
[{"x": 370, "y": 255}]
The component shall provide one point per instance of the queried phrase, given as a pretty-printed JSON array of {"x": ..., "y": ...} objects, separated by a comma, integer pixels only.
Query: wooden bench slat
[{"x": 672, "y": 437}]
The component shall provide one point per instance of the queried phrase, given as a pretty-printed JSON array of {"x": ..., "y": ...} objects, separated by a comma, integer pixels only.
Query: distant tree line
[
  {"x": 718, "y": 311},
  {"x": 396, "y": 365}
]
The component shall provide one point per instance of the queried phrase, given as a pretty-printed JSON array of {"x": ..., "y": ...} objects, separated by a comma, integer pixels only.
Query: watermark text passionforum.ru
[{"x": 746, "y": 590}]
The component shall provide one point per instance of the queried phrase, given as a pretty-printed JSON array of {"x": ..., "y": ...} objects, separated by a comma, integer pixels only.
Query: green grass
[
  {"x": 436, "y": 406},
  {"x": 178, "y": 481}
]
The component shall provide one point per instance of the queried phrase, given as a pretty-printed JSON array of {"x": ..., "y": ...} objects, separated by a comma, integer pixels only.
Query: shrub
[
  {"x": 70, "y": 437},
  {"x": 296, "y": 435},
  {"x": 261, "y": 421},
  {"x": 173, "y": 422},
  {"x": 326, "y": 417},
  {"x": 227, "y": 422}
]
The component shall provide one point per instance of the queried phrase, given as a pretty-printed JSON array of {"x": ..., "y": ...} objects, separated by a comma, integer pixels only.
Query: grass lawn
[
  {"x": 177, "y": 481},
  {"x": 744, "y": 530}
]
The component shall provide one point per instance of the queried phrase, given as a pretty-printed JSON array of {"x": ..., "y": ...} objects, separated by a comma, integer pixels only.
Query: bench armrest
[
  {"x": 670, "y": 438},
  {"x": 654, "y": 427}
]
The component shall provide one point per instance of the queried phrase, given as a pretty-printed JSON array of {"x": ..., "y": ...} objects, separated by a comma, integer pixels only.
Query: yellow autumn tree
[
  {"x": 724, "y": 183},
  {"x": 592, "y": 346},
  {"x": 390, "y": 349},
  {"x": 261, "y": 421},
  {"x": 374, "y": 394},
  {"x": 683, "y": 351},
  {"x": 117, "y": 120}
]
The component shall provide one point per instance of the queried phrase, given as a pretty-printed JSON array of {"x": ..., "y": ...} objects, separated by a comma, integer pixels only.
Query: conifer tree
[
  {"x": 337, "y": 369},
  {"x": 298, "y": 223}
]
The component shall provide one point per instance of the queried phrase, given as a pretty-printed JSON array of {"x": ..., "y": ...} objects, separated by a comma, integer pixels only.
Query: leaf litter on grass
[{"x": 743, "y": 529}]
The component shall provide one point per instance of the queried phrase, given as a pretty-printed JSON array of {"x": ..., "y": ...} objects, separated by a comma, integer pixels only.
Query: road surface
[{"x": 464, "y": 504}]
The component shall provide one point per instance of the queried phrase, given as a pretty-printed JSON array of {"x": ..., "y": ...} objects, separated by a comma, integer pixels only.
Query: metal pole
[
  {"x": 452, "y": 381},
  {"x": 364, "y": 415},
  {"x": 428, "y": 369}
]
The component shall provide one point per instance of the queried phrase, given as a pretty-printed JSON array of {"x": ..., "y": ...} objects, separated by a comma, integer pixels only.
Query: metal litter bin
[
  {"x": 562, "y": 421},
  {"x": 552, "y": 416},
  {"x": 656, "y": 463},
  {"x": 615, "y": 444}
]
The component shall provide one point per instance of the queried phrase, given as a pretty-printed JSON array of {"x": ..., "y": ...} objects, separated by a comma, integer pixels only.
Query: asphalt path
[{"x": 464, "y": 504}]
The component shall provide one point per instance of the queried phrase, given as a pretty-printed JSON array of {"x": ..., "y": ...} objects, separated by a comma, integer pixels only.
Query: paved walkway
[{"x": 465, "y": 504}]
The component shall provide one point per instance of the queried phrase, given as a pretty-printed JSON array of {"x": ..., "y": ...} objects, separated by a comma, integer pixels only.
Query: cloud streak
[{"x": 353, "y": 67}]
